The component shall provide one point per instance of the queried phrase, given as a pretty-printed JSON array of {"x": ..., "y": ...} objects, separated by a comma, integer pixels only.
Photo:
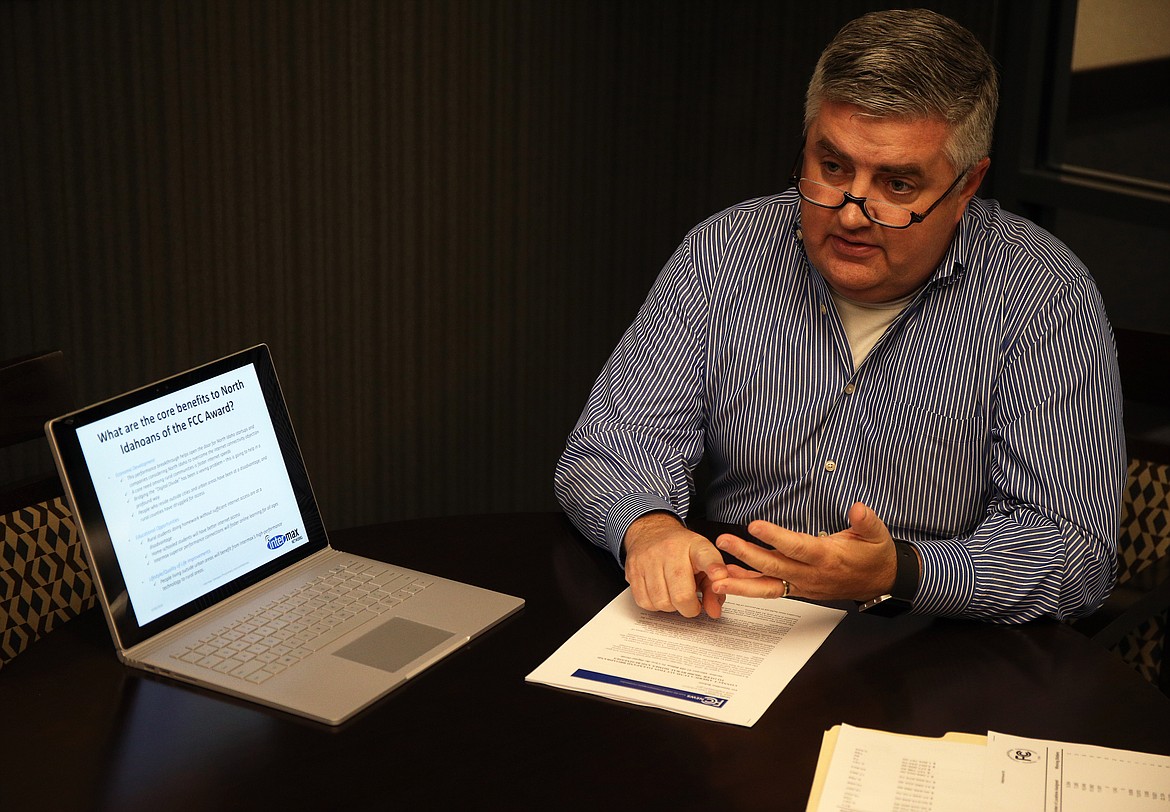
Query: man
[{"x": 910, "y": 394}]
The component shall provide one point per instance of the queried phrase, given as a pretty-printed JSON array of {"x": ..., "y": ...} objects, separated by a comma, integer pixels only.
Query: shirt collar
[{"x": 954, "y": 262}]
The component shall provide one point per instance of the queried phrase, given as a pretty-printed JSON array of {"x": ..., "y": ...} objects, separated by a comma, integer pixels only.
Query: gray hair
[{"x": 912, "y": 64}]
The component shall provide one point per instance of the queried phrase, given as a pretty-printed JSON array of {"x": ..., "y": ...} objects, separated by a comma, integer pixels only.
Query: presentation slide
[{"x": 193, "y": 489}]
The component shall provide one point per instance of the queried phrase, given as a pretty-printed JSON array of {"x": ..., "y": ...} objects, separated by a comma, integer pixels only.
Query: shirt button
[
  {"x": 824, "y": 310},
  {"x": 830, "y": 465},
  {"x": 823, "y": 533},
  {"x": 849, "y": 389}
]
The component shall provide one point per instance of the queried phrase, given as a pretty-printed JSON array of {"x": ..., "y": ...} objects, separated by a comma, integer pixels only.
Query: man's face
[{"x": 897, "y": 161}]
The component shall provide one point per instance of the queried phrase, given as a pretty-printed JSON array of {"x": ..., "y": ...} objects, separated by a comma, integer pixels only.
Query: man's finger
[
  {"x": 735, "y": 571},
  {"x": 758, "y": 587},
  {"x": 638, "y": 587},
  {"x": 753, "y": 555},
  {"x": 797, "y": 546},
  {"x": 684, "y": 596},
  {"x": 712, "y": 601},
  {"x": 705, "y": 558},
  {"x": 866, "y": 525}
]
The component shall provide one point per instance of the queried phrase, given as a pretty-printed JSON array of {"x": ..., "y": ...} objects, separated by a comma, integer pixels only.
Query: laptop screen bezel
[{"x": 91, "y": 522}]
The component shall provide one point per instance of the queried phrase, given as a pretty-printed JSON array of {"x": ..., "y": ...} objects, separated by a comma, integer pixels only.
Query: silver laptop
[{"x": 211, "y": 560}]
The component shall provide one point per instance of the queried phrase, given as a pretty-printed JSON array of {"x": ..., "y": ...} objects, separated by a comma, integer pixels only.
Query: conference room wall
[{"x": 439, "y": 214}]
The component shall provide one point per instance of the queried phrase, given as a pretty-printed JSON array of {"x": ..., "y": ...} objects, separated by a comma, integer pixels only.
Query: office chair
[
  {"x": 1135, "y": 620},
  {"x": 44, "y": 577}
]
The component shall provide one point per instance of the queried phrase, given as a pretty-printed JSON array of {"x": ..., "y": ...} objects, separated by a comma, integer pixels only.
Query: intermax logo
[{"x": 277, "y": 541}]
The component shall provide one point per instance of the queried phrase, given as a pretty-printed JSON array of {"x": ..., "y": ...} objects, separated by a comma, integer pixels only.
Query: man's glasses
[{"x": 884, "y": 214}]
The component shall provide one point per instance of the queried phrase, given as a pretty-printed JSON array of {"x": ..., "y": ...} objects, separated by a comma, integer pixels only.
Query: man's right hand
[{"x": 668, "y": 566}]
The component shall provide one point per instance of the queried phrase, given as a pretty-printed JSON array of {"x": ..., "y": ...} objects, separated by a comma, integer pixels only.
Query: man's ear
[
  {"x": 970, "y": 186},
  {"x": 974, "y": 178}
]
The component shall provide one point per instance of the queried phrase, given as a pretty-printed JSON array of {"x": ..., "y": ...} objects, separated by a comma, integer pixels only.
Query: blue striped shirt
[{"x": 984, "y": 427}]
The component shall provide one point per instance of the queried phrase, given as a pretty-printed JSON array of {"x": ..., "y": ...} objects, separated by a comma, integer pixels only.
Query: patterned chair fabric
[
  {"x": 1145, "y": 538},
  {"x": 44, "y": 577}
]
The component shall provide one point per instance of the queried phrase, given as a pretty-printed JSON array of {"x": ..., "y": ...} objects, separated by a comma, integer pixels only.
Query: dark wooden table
[{"x": 80, "y": 731}]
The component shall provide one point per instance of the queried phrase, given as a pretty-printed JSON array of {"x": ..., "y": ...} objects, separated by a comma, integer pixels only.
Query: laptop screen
[{"x": 188, "y": 490}]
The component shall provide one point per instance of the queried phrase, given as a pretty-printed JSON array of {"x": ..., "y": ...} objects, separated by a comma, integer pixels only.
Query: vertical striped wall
[{"x": 440, "y": 214}]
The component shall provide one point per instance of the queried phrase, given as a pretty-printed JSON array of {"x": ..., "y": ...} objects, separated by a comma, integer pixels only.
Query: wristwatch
[{"x": 901, "y": 597}]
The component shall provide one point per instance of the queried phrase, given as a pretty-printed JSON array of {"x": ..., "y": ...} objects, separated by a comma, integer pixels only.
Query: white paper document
[
  {"x": 863, "y": 770},
  {"x": 874, "y": 771},
  {"x": 728, "y": 669},
  {"x": 1052, "y": 776}
]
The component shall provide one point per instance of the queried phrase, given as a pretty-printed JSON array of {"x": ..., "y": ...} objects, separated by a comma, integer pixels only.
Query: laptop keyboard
[{"x": 282, "y": 633}]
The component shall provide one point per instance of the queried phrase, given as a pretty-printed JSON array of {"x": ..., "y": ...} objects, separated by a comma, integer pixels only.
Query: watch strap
[{"x": 906, "y": 575}]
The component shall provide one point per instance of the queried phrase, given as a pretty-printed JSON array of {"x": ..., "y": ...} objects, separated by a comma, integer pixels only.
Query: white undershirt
[{"x": 865, "y": 322}]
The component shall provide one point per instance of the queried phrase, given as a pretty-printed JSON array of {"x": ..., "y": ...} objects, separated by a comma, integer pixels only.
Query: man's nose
[{"x": 852, "y": 215}]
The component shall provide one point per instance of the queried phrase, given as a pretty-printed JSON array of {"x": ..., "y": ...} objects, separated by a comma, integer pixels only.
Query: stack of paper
[{"x": 861, "y": 769}]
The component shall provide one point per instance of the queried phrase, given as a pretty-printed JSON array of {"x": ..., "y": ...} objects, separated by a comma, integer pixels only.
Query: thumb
[
  {"x": 866, "y": 524},
  {"x": 705, "y": 558}
]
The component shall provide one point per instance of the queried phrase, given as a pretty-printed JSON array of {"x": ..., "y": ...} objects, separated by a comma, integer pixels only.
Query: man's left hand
[{"x": 858, "y": 563}]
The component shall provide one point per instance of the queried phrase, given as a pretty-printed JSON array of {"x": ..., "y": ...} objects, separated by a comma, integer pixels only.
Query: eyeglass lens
[{"x": 830, "y": 197}]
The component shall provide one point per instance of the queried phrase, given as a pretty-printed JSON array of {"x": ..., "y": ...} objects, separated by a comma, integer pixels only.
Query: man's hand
[
  {"x": 667, "y": 566},
  {"x": 855, "y": 564}
]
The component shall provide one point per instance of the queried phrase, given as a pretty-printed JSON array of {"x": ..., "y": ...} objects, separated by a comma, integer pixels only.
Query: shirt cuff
[
  {"x": 625, "y": 512},
  {"x": 947, "y": 583}
]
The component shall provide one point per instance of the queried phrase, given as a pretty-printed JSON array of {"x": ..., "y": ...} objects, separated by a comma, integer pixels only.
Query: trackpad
[{"x": 394, "y": 644}]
